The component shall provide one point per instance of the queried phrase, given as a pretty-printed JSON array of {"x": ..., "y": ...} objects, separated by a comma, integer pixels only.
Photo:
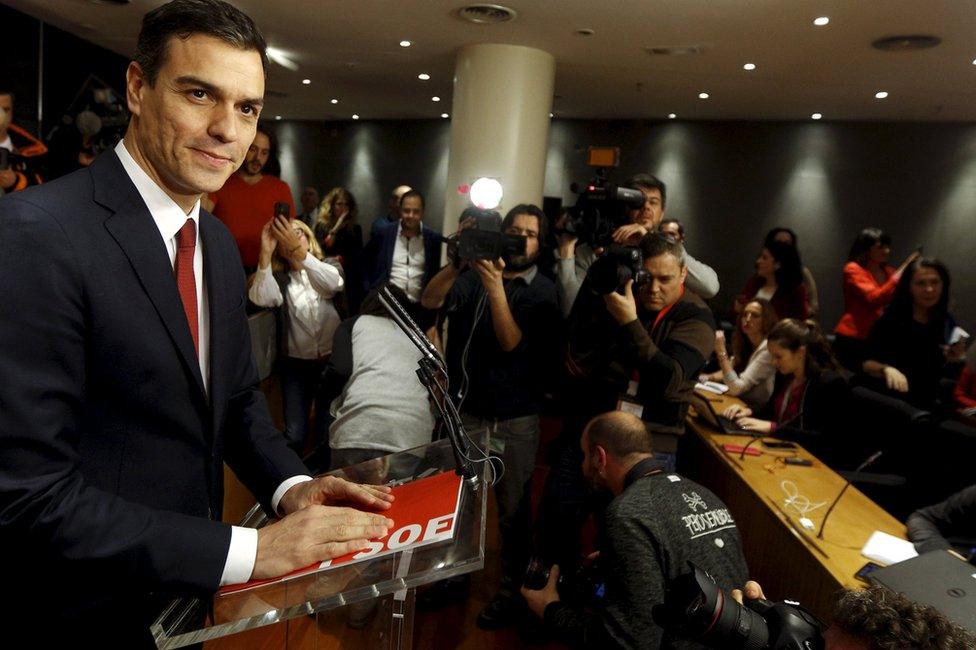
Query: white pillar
[{"x": 499, "y": 124}]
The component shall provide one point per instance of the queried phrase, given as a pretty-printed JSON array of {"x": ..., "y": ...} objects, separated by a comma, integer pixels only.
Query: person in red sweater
[
  {"x": 246, "y": 201},
  {"x": 869, "y": 284}
]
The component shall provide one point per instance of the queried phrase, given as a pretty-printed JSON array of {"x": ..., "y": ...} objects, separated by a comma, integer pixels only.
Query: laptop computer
[
  {"x": 705, "y": 410},
  {"x": 937, "y": 579}
]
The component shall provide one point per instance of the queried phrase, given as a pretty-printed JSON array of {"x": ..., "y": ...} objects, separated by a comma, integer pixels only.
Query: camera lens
[{"x": 736, "y": 627}]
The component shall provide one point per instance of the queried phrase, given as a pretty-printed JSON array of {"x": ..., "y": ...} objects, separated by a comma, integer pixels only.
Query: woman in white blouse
[
  {"x": 749, "y": 372},
  {"x": 291, "y": 275}
]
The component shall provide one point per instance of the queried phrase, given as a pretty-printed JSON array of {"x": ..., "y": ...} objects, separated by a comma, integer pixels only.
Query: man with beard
[
  {"x": 500, "y": 351},
  {"x": 656, "y": 524},
  {"x": 246, "y": 201}
]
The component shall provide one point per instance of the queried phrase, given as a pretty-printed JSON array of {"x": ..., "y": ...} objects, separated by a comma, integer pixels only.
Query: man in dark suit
[
  {"x": 125, "y": 357},
  {"x": 406, "y": 253}
]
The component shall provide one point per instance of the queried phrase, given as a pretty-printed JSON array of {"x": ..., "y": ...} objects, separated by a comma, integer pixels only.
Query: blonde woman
[
  {"x": 293, "y": 276},
  {"x": 340, "y": 236}
]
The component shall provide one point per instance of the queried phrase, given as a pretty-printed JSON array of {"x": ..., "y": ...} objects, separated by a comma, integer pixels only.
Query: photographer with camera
[
  {"x": 575, "y": 257},
  {"x": 640, "y": 354},
  {"x": 19, "y": 150},
  {"x": 500, "y": 352},
  {"x": 656, "y": 523}
]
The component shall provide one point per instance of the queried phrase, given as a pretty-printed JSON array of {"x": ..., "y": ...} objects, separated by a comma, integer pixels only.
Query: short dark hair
[
  {"x": 655, "y": 244},
  {"x": 647, "y": 182},
  {"x": 664, "y": 222},
  {"x": 184, "y": 18},
  {"x": 620, "y": 434},
  {"x": 6, "y": 91},
  {"x": 863, "y": 243},
  {"x": 532, "y": 210},
  {"x": 409, "y": 193},
  {"x": 887, "y": 620}
]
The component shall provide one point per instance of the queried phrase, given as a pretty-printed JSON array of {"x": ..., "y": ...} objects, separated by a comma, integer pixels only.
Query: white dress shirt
[
  {"x": 169, "y": 218},
  {"x": 407, "y": 270},
  {"x": 7, "y": 144},
  {"x": 312, "y": 317}
]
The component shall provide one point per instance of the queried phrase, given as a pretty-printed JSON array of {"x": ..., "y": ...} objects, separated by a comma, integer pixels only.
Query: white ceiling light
[
  {"x": 749, "y": 66},
  {"x": 881, "y": 94},
  {"x": 435, "y": 98},
  {"x": 821, "y": 21},
  {"x": 423, "y": 76},
  {"x": 405, "y": 43},
  {"x": 816, "y": 116},
  {"x": 445, "y": 115},
  {"x": 306, "y": 81},
  {"x": 355, "y": 117},
  {"x": 334, "y": 101},
  {"x": 551, "y": 115},
  {"x": 671, "y": 116},
  {"x": 277, "y": 117},
  {"x": 974, "y": 61},
  {"x": 702, "y": 95}
]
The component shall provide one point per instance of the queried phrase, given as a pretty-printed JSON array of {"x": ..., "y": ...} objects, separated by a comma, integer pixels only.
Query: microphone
[{"x": 870, "y": 461}]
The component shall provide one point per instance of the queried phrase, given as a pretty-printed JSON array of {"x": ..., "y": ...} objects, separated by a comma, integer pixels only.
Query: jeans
[
  {"x": 301, "y": 381},
  {"x": 515, "y": 441}
]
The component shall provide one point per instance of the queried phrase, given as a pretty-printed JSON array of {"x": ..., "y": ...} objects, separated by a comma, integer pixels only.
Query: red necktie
[{"x": 186, "y": 243}]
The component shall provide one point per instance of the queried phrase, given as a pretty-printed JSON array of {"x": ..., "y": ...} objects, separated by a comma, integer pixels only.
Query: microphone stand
[
  {"x": 433, "y": 375},
  {"x": 870, "y": 461}
]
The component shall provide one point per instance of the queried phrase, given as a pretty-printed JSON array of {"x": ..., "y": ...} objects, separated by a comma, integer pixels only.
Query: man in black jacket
[
  {"x": 656, "y": 523},
  {"x": 938, "y": 526}
]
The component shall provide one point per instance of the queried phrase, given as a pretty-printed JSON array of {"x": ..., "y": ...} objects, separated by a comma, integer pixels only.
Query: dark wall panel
[{"x": 728, "y": 181}]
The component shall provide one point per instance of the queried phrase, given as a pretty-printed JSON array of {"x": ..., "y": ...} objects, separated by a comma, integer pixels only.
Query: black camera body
[
  {"x": 485, "y": 239},
  {"x": 599, "y": 209},
  {"x": 695, "y": 608},
  {"x": 617, "y": 265}
]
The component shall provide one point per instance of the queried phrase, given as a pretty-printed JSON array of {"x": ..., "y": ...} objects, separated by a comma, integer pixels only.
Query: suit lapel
[{"x": 135, "y": 232}]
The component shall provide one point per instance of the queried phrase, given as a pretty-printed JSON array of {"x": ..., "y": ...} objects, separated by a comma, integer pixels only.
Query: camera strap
[
  {"x": 664, "y": 312},
  {"x": 647, "y": 467}
]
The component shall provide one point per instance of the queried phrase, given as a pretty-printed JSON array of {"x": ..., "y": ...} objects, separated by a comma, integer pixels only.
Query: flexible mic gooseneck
[{"x": 870, "y": 461}]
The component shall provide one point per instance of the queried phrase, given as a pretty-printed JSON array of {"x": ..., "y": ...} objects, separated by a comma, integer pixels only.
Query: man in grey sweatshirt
[{"x": 656, "y": 523}]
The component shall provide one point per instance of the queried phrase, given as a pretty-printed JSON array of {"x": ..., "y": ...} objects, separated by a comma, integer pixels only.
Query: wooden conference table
[{"x": 765, "y": 495}]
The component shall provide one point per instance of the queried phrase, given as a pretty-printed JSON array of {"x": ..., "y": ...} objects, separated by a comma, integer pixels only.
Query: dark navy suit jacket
[
  {"x": 111, "y": 452},
  {"x": 379, "y": 254}
]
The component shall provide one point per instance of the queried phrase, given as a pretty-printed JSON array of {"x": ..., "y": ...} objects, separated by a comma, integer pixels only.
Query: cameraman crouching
[{"x": 656, "y": 523}]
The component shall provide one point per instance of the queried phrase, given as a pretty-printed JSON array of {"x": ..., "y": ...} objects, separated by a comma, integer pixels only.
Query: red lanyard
[{"x": 664, "y": 312}]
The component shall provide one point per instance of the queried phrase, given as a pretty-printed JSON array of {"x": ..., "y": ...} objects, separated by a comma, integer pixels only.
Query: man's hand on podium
[
  {"x": 315, "y": 527},
  {"x": 314, "y": 534}
]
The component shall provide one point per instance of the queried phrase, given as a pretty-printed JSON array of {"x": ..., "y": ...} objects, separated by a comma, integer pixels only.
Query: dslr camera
[
  {"x": 695, "y": 608},
  {"x": 584, "y": 586}
]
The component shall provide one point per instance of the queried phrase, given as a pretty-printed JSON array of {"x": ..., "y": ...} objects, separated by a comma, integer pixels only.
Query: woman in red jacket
[{"x": 869, "y": 284}]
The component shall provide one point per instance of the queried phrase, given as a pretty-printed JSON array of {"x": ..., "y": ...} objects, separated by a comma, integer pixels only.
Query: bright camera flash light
[{"x": 486, "y": 193}]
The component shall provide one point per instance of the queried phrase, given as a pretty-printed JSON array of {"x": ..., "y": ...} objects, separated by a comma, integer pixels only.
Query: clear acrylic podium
[{"x": 378, "y": 594}]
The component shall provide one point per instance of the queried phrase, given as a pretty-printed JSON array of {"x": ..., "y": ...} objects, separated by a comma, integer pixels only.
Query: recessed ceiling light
[
  {"x": 821, "y": 21},
  {"x": 334, "y": 101},
  {"x": 551, "y": 115},
  {"x": 405, "y": 43},
  {"x": 702, "y": 95},
  {"x": 355, "y": 116},
  {"x": 435, "y": 98},
  {"x": 816, "y": 116},
  {"x": 306, "y": 81},
  {"x": 881, "y": 94},
  {"x": 445, "y": 115},
  {"x": 423, "y": 76},
  {"x": 671, "y": 116},
  {"x": 974, "y": 61},
  {"x": 749, "y": 66},
  {"x": 277, "y": 117}
]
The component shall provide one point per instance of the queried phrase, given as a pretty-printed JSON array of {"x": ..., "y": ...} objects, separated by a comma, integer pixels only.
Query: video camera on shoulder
[
  {"x": 695, "y": 608},
  {"x": 484, "y": 240}
]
